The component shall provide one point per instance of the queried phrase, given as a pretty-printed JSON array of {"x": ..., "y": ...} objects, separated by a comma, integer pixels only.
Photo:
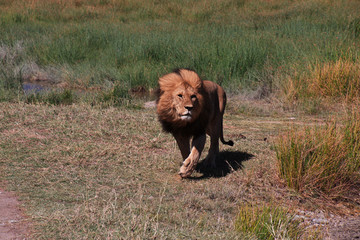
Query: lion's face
[
  {"x": 185, "y": 103},
  {"x": 180, "y": 101}
]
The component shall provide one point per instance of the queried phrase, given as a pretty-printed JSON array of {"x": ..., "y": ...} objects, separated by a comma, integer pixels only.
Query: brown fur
[{"x": 189, "y": 107}]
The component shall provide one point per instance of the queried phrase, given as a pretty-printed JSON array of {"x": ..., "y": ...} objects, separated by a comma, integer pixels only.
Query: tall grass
[
  {"x": 339, "y": 80},
  {"x": 240, "y": 44},
  {"x": 321, "y": 161}
]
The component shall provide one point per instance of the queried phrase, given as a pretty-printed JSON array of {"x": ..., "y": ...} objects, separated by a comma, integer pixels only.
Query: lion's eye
[
  {"x": 180, "y": 95},
  {"x": 193, "y": 97}
]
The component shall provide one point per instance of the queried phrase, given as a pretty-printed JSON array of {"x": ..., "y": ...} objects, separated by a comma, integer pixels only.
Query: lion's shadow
[{"x": 226, "y": 162}]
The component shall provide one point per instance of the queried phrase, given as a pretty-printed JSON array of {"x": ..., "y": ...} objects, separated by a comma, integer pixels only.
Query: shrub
[{"x": 321, "y": 160}]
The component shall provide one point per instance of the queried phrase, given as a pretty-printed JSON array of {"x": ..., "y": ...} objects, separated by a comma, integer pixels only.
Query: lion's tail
[
  {"x": 222, "y": 108},
  {"x": 230, "y": 142}
]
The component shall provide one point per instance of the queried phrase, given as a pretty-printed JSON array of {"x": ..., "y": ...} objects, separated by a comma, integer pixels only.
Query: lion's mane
[{"x": 165, "y": 103}]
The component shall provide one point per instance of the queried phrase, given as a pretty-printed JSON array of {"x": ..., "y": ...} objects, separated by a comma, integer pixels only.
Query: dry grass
[
  {"x": 339, "y": 80},
  {"x": 333, "y": 82},
  {"x": 84, "y": 172},
  {"x": 88, "y": 173}
]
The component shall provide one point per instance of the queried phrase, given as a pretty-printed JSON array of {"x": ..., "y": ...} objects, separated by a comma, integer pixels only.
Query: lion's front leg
[
  {"x": 184, "y": 144},
  {"x": 192, "y": 160}
]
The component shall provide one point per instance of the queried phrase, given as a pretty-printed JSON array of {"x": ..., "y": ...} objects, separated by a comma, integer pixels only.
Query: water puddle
[
  {"x": 29, "y": 88},
  {"x": 35, "y": 88}
]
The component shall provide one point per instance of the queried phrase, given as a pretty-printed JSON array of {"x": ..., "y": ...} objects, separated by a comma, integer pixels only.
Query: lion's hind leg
[
  {"x": 210, "y": 160},
  {"x": 214, "y": 132}
]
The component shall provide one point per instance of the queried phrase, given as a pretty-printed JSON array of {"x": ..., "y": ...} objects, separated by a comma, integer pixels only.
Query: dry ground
[
  {"x": 13, "y": 224},
  {"x": 83, "y": 172}
]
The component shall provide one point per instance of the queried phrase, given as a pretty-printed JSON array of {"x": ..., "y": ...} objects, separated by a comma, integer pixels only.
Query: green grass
[
  {"x": 65, "y": 97},
  {"x": 267, "y": 222},
  {"x": 321, "y": 161},
  {"x": 240, "y": 44}
]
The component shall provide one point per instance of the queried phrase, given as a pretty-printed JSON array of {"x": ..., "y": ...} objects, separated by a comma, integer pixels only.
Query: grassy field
[
  {"x": 93, "y": 173},
  {"x": 86, "y": 173},
  {"x": 88, "y": 161}
]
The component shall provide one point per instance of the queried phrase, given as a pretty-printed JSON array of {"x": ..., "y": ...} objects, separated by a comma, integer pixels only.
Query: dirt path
[{"x": 12, "y": 222}]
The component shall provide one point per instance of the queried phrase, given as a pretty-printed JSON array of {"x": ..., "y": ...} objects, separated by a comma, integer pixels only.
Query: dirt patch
[
  {"x": 333, "y": 227},
  {"x": 13, "y": 224},
  {"x": 345, "y": 229}
]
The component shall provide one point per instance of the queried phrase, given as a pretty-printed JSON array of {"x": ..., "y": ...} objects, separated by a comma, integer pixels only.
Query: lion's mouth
[{"x": 186, "y": 116}]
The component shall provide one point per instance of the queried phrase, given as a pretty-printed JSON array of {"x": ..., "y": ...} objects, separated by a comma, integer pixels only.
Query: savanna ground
[
  {"x": 88, "y": 161},
  {"x": 92, "y": 173}
]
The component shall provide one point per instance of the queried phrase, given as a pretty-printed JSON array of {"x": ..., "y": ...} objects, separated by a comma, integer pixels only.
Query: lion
[{"x": 189, "y": 108}]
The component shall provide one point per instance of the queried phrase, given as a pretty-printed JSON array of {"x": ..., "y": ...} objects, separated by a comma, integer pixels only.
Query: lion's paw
[{"x": 186, "y": 171}]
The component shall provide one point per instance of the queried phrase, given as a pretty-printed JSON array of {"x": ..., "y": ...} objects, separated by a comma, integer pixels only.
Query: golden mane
[{"x": 172, "y": 80}]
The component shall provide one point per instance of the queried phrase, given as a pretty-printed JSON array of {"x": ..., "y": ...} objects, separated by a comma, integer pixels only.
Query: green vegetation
[
  {"x": 240, "y": 44},
  {"x": 267, "y": 222},
  {"x": 322, "y": 160},
  {"x": 65, "y": 97}
]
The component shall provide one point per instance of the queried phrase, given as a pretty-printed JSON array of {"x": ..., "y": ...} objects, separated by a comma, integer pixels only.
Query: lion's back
[{"x": 216, "y": 94}]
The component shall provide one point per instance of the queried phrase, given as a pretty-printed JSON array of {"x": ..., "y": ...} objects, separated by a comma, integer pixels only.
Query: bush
[{"x": 321, "y": 160}]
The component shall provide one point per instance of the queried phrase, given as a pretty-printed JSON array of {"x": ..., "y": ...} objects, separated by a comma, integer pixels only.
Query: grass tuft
[
  {"x": 11, "y": 61},
  {"x": 267, "y": 222},
  {"x": 321, "y": 161}
]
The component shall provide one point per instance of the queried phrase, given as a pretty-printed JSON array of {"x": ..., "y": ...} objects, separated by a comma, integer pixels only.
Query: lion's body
[{"x": 189, "y": 107}]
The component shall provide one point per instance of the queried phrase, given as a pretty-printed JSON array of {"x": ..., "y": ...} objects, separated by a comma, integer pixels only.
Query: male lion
[{"x": 189, "y": 107}]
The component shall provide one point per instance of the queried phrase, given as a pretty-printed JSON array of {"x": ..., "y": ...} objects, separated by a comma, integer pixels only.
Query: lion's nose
[{"x": 189, "y": 108}]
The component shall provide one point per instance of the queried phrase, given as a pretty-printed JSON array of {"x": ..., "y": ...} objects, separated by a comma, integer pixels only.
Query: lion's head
[{"x": 181, "y": 99}]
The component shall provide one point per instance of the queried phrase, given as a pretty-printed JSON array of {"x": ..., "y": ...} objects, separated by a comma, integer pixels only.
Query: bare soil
[
  {"x": 345, "y": 229},
  {"x": 13, "y": 224}
]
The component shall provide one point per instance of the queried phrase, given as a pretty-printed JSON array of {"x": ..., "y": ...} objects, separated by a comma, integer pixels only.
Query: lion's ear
[
  {"x": 169, "y": 81},
  {"x": 191, "y": 78}
]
